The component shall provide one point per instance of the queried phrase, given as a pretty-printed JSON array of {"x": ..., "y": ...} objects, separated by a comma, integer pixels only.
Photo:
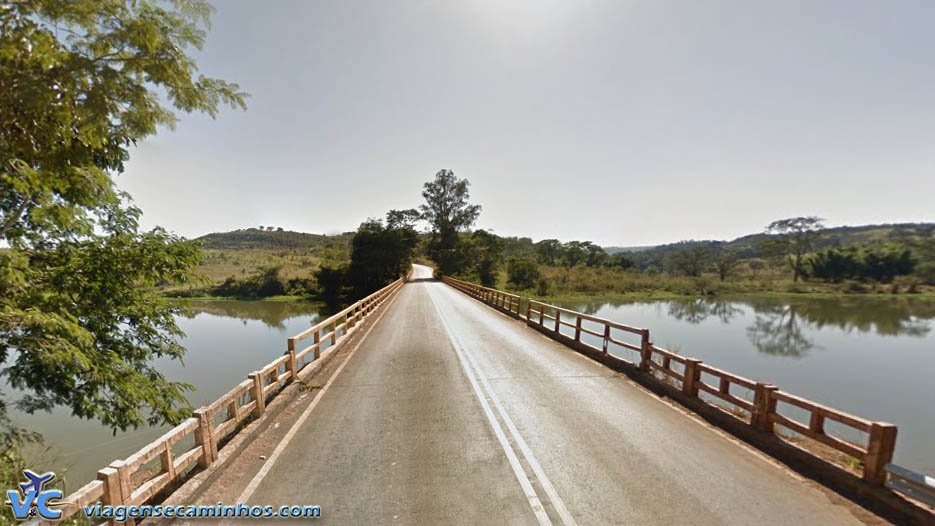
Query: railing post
[
  {"x": 317, "y": 342},
  {"x": 558, "y": 317},
  {"x": 763, "y": 404},
  {"x": 167, "y": 460},
  {"x": 292, "y": 364},
  {"x": 541, "y": 315},
  {"x": 258, "y": 395},
  {"x": 646, "y": 351},
  {"x": 112, "y": 495},
  {"x": 334, "y": 332},
  {"x": 528, "y": 308},
  {"x": 578, "y": 329},
  {"x": 692, "y": 374},
  {"x": 123, "y": 480},
  {"x": 606, "y": 338},
  {"x": 879, "y": 451},
  {"x": 204, "y": 436}
]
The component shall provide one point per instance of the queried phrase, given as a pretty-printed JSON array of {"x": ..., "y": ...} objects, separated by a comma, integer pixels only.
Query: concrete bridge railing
[
  {"x": 166, "y": 461},
  {"x": 759, "y": 405}
]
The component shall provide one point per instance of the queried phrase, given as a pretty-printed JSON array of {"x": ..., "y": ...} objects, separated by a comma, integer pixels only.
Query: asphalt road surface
[{"x": 451, "y": 413}]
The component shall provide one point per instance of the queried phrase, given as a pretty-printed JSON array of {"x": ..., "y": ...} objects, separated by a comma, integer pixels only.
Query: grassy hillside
[
  {"x": 248, "y": 252},
  {"x": 844, "y": 236}
]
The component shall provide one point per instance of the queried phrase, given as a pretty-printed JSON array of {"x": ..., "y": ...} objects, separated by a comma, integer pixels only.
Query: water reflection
[
  {"x": 776, "y": 330},
  {"x": 272, "y": 313},
  {"x": 780, "y": 325},
  {"x": 697, "y": 311}
]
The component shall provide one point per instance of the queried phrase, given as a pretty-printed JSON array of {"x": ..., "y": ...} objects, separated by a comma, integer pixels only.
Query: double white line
[{"x": 474, "y": 373}]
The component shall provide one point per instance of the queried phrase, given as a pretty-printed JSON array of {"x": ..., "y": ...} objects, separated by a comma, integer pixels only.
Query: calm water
[
  {"x": 225, "y": 341},
  {"x": 874, "y": 357}
]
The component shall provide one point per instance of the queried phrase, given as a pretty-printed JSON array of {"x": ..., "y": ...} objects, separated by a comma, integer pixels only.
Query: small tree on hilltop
[{"x": 793, "y": 238}]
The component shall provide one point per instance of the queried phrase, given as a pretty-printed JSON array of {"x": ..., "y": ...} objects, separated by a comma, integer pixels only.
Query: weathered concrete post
[
  {"x": 692, "y": 376},
  {"x": 646, "y": 351},
  {"x": 558, "y": 317},
  {"x": 112, "y": 495},
  {"x": 317, "y": 342},
  {"x": 578, "y": 329},
  {"x": 204, "y": 436},
  {"x": 879, "y": 451},
  {"x": 763, "y": 405},
  {"x": 258, "y": 396},
  {"x": 292, "y": 365}
]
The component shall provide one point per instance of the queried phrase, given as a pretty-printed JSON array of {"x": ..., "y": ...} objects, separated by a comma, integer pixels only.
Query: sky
[{"x": 621, "y": 122}]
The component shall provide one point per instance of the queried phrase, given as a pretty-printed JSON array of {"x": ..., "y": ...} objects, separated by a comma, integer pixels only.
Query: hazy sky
[{"x": 622, "y": 122}]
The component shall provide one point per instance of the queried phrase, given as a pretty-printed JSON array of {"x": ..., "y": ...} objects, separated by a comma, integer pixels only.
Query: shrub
[{"x": 522, "y": 272}]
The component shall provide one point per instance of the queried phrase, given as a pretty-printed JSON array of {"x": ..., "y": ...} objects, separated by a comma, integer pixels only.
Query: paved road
[{"x": 450, "y": 413}]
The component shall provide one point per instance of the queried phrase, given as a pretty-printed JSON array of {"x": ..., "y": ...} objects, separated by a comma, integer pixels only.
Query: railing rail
[
  {"x": 133, "y": 481},
  {"x": 759, "y": 402}
]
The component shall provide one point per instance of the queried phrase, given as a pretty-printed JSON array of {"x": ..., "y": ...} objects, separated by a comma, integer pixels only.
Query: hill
[
  {"x": 255, "y": 238},
  {"x": 841, "y": 236}
]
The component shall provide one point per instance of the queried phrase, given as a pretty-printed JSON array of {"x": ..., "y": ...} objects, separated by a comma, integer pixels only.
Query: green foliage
[
  {"x": 331, "y": 282},
  {"x": 619, "y": 260},
  {"x": 691, "y": 261},
  {"x": 380, "y": 254},
  {"x": 870, "y": 264},
  {"x": 448, "y": 213},
  {"x": 523, "y": 273},
  {"x": 793, "y": 238},
  {"x": 268, "y": 282},
  {"x": 487, "y": 254},
  {"x": 252, "y": 238},
  {"x": 81, "y": 81},
  {"x": 725, "y": 263},
  {"x": 926, "y": 273},
  {"x": 548, "y": 251}
]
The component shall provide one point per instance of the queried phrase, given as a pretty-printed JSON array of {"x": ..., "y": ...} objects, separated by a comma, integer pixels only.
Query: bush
[
  {"x": 522, "y": 272},
  {"x": 926, "y": 273}
]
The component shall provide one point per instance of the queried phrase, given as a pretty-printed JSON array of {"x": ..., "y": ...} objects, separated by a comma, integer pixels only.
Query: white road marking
[
  {"x": 472, "y": 371},
  {"x": 268, "y": 465}
]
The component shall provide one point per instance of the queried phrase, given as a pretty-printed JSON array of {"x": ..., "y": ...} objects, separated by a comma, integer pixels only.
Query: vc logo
[{"x": 34, "y": 498}]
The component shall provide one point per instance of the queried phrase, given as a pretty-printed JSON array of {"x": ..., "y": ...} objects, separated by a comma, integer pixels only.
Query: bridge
[{"x": 443, "y": 402}]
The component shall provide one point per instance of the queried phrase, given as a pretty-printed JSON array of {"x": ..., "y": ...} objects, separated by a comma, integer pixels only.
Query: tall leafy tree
[
  {"x": 794, "y": 238},
  {"x": 448, "y": 213},
  {"x": 80, "y": 82}
]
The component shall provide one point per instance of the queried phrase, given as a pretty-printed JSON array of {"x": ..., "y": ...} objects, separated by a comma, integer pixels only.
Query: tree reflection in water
[
  {"x": 781, "y": 325},
  {"x": 697, "y": 311},
  {"x": 271, "y": 313},
  {"x": 776, "y": 330}
]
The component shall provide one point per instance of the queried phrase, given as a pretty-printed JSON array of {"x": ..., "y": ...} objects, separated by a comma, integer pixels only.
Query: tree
[
  {"x": 573, "y": 252},
  {"x": 488, "y": 251},
  {"x": 331, "y": 280},
  {"x": 81, "y": 81},
  {"x": 692, "y": 261},
  {"x": 725, "y": 263},
  {"x": 448, "y": 213},
  {"x": 522, "y": 272},
  {"x": 793, "y": 238},
  {"x": 380, "y": 254},
  {"x": 619, "y": 260},
  {"x": 548, "y": 251},
  {"x": 594, "y": 254}
]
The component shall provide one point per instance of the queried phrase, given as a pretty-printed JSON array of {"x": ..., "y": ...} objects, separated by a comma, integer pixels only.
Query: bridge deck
[{"x": 451, "y": 413}]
